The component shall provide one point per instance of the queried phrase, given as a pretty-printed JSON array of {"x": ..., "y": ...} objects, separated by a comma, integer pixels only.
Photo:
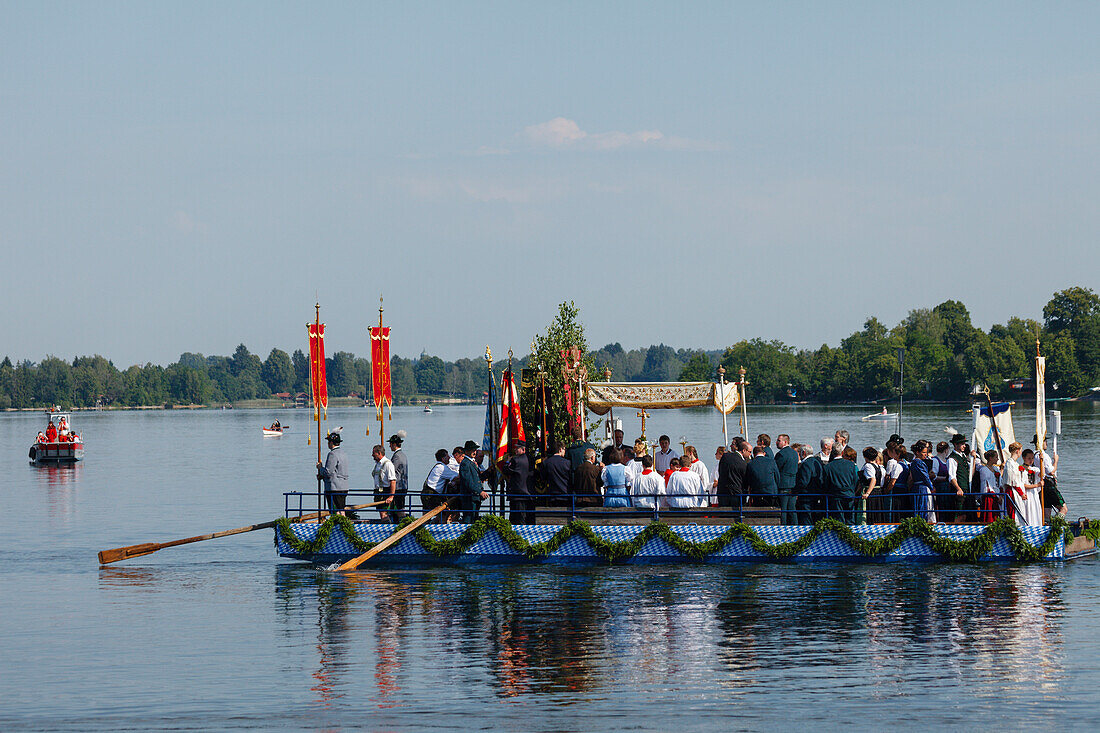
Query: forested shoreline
[{"x": 945, "y": 356}]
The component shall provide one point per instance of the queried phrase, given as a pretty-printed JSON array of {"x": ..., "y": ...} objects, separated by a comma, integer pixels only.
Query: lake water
[{"x": 225, "y": 635}]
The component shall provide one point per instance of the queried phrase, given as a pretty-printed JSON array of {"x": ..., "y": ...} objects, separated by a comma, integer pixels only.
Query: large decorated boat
[
  {"x": 698, "y": 536},
  {"x": 59, "y": 443}
]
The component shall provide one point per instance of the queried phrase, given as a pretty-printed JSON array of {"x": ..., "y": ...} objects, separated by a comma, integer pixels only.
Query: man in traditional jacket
[
  {"x": 841, "y": 483},
  {"x": 786, "y": 460},
  {"x": 808, "y": 486},
  {"x": 576, "y": 450},
  {"x": 334, "y": 472},
  {"x": 731, "y": 474},
  {"x": 958, "y": 476},
  {"x": 401, "y": 468},
  {"x": 516, "y": 469},
  {"x": 469, "y": 477}
]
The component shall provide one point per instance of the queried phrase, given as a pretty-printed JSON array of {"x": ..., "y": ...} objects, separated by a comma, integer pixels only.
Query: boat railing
[{"x": 801, "y": 509}]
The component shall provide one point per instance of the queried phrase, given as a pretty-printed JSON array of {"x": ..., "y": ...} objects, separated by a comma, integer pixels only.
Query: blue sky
[{"x": 186, "y": 177}]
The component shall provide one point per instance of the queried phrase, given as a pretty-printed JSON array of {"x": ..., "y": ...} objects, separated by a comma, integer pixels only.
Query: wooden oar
[
  {"x": 148, "y": 548},
  {"x": 392, "y": 539}
]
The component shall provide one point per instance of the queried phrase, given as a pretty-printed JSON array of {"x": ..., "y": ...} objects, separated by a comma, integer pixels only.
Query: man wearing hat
[
  {"x": 958, "y": 476},
  {"x": 334, "y": 473},
  {"x": 516, "y": 469},
  {"x": 469, "y": 479},
  {"x": 401, "y": 469}
]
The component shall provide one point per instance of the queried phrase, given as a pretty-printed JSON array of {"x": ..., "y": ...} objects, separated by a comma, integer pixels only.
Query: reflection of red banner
[
  {"x": 317, "y": 368},
  {"x": 380, "y": 368},
  {"x": 511, "y": 423}
]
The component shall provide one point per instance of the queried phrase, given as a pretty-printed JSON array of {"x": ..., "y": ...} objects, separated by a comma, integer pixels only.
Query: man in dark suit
[
  {"x": 786, "y": 460},
  {"x": 731, "y": 473},
  {"x": 516, "y": 469},
  {"x": 617, "y": 442},
  {"x": 809, "y": 485},
  {"x": 762, "y": 478},
  {"x": 558, "y": 475}
]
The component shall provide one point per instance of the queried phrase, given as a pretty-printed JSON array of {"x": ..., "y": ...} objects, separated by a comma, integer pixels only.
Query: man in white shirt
[
  {"x": 664, "y": 455},
  {"x": 826, "y": 449},
  {"x": 385, "y": 479}
]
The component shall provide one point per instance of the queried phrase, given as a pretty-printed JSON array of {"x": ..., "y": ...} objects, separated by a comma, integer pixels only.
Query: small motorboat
[
  {"x": 427, "y": 408},
  {"x": 60, "y": 444}
]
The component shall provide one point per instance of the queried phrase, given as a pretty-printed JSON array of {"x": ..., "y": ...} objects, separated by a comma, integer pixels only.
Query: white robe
[
  {"x": 700, "y": 470},
  {"x": 647, "y": 490},
  {"x": 684, "y": 489}
]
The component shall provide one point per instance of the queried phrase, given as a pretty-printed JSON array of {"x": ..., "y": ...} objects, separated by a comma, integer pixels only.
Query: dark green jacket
[
  {"x": 762, "y": 476},
  {"x": 575, "y": 452},
  {"x": 841, "y": 478},
  {"x": 810, "y": 477},
  {"x": 787, "y": 462}
]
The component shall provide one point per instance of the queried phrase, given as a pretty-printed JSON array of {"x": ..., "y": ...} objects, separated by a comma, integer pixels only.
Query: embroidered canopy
[{"x": 602, "y": 396}]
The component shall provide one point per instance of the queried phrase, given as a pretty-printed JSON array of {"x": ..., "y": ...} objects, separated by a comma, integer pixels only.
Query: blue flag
[{"x": 488, "y": 440}]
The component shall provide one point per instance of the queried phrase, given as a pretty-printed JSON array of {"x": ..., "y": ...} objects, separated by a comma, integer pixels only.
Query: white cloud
[{"x": 565, "y": 134}]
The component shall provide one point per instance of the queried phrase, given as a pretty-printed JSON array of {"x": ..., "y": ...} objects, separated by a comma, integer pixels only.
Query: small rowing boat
[
  {"x": 275, "y": 430},
  {"x": 884, "y": 415}
]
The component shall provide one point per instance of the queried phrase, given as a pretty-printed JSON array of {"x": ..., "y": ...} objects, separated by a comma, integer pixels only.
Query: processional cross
[{"x": 574, "y": 368}]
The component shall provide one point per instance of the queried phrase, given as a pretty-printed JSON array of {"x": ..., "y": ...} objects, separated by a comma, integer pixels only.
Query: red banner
[
  {"x": 380, "y": 368},
  {"x": 317, "y": 383},
  {"x": 511, "y": 422}
]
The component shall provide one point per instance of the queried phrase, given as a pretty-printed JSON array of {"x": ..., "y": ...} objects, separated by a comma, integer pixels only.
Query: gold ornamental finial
[{"x": 488, "y": 354}]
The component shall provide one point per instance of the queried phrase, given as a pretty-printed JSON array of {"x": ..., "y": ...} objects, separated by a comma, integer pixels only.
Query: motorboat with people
[{"x": 58, "y": 443}]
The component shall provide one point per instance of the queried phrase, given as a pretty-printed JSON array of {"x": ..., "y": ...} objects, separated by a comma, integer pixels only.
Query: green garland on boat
[{"x": 955, "y": 550}]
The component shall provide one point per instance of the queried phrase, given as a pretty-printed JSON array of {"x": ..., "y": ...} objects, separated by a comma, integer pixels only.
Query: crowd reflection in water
[{"x": 578, "y": 632}]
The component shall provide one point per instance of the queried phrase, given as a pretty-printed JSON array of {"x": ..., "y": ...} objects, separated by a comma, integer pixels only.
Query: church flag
[
  {"x": 380, "y": 368},
  {"x": 1040, "y": 400},
  {"x": 511, "y": 421},
  {"x": 318, "y": 387},
  {"x": 982, "y": 439},
  {"x": 487, "y": 438}
]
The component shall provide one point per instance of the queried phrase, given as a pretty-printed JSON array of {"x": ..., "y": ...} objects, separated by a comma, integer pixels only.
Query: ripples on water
[{"x": 222, "y": 635}]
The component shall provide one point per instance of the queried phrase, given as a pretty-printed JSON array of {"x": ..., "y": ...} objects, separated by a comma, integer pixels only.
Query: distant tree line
[{"x": 945, "y": 356}]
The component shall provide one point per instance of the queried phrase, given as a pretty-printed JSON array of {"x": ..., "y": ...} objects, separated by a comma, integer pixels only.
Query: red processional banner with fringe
[
  {"x": 317, "y": 369},
  {"x": 380, "y": 368},
  {"x": 511, "y": 421}
]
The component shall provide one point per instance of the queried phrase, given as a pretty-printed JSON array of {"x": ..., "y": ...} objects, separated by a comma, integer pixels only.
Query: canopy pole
[
  {"x": 722, "y": 400},
  {"x": 744, "y": 409}
]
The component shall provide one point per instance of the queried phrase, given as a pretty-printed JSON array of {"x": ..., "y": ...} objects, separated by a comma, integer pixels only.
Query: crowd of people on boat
[
  {"x": 801, "y": 483},
  {"x": 59, "y": 433}
]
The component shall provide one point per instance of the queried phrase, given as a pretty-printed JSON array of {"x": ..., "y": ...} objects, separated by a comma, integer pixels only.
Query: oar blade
[{"x": 107, "y": 557}]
